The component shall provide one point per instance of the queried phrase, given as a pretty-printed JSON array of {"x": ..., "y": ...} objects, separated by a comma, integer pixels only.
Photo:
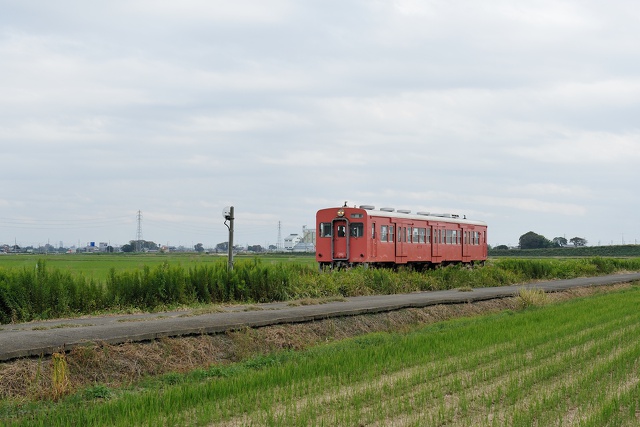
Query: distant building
[
  {"x": 308, "y": 235},
  {"x": 291, "y": 241},
  {"x": 304, "y": 247}
]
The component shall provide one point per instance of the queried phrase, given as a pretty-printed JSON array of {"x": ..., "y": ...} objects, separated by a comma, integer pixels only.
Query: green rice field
[
  {"x": 575, "y": 363},
  {"x": 98, "y": 266}
]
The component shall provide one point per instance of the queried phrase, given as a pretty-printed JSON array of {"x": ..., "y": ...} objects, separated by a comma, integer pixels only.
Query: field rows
[
  {"x": 570, "y": 364},
  {"x": 477, "y": 388}
]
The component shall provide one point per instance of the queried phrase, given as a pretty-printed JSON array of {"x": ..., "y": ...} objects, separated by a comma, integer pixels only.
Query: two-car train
[{"x": 350, "y": 236}]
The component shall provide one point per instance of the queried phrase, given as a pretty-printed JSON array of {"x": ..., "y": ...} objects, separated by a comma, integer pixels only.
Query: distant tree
[
  {"x": 199, "y": 247},
  {"x": 559, "y": 241},
  {"x": 255, "y": 248},
  {"x": 532, "y": 240},
  {"x": 502, "y": 247},
  {"x": 222, "y": 247},
  {"x": 149, "y": 245},
  {"x": 143, "y": 245},
  {"x": 578, "y": 241},
  {"x": 128, "y": 247}
]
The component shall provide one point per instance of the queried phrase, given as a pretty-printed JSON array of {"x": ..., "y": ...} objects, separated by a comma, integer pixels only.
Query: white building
[{"x": 291, "y": 241}]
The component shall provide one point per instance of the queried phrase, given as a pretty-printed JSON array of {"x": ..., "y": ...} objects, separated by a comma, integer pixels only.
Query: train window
[
  {"x": 454, "y": 237},
  {"x": 428, "y": 239},
  {"x": 421, "y": 235},
  {"x": 415, "y": 235},
  {"x": 325, "y": 229},
  {"x": 356, "y": 229},
  {"x": 357, "y": 215},
  {"x": 373, "y": 230},
  {"x": 391, "y": 233},
  {"x": 384, "y": 231},
  {"x": 342, "y": 230}
]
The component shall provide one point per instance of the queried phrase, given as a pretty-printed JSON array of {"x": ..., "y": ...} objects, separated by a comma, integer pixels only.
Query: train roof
[{"x": 406, "y": 214}]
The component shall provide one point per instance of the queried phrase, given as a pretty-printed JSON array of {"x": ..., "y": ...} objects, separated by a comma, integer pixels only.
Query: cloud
[
  {"x": 522, "y": 114},
  {"x": 588, "y": 149},
  {"x": 245, "y": 12}
]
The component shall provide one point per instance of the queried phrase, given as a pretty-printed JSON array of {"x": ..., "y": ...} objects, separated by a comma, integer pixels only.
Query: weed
[
  {"x": 60, "y": 376},
  {"x": 529, "y": 297},
  {"x": 98, "y": 391}
]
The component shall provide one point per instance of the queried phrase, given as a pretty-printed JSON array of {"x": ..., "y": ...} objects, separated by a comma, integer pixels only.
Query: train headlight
[{"x": 341, "y": 212}]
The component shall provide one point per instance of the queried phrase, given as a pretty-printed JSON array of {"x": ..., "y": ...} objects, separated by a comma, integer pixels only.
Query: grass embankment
[
  {"x": 41, "y": 292},
  {"x": 573, "y": 363}
]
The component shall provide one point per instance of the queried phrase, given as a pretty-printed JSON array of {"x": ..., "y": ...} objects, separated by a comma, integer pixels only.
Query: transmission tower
[
  {"x": 279, "y": 245},
  {"x": 139, "y": 233}
]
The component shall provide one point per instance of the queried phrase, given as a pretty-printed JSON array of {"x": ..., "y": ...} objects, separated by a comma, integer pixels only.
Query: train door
[
  {"x": 340, "y": 240},
  {"x": 484, "y": 243},
  {"x": 436, "y": 250},
  {"x": 465, "y": 245},
  {"x": 374, "y": 239},
  {"x": 401, "y": 239}
]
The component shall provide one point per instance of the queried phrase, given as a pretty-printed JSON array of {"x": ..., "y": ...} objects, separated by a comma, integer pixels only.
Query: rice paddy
[{"x": 575, "y": 363}]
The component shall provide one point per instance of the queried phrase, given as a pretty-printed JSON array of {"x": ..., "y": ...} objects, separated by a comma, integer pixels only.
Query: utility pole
[{"x": 227, "y": 213}]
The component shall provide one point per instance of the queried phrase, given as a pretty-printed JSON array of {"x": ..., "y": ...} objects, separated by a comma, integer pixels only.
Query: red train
[{"x": 349, "y": 236}]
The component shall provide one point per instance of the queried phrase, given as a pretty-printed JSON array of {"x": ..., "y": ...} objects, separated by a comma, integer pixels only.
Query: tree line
[{"x": 533, "y": 240}]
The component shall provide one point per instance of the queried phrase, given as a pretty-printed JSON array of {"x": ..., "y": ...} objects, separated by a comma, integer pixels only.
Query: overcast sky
[{"x": 521, "y": 114}]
